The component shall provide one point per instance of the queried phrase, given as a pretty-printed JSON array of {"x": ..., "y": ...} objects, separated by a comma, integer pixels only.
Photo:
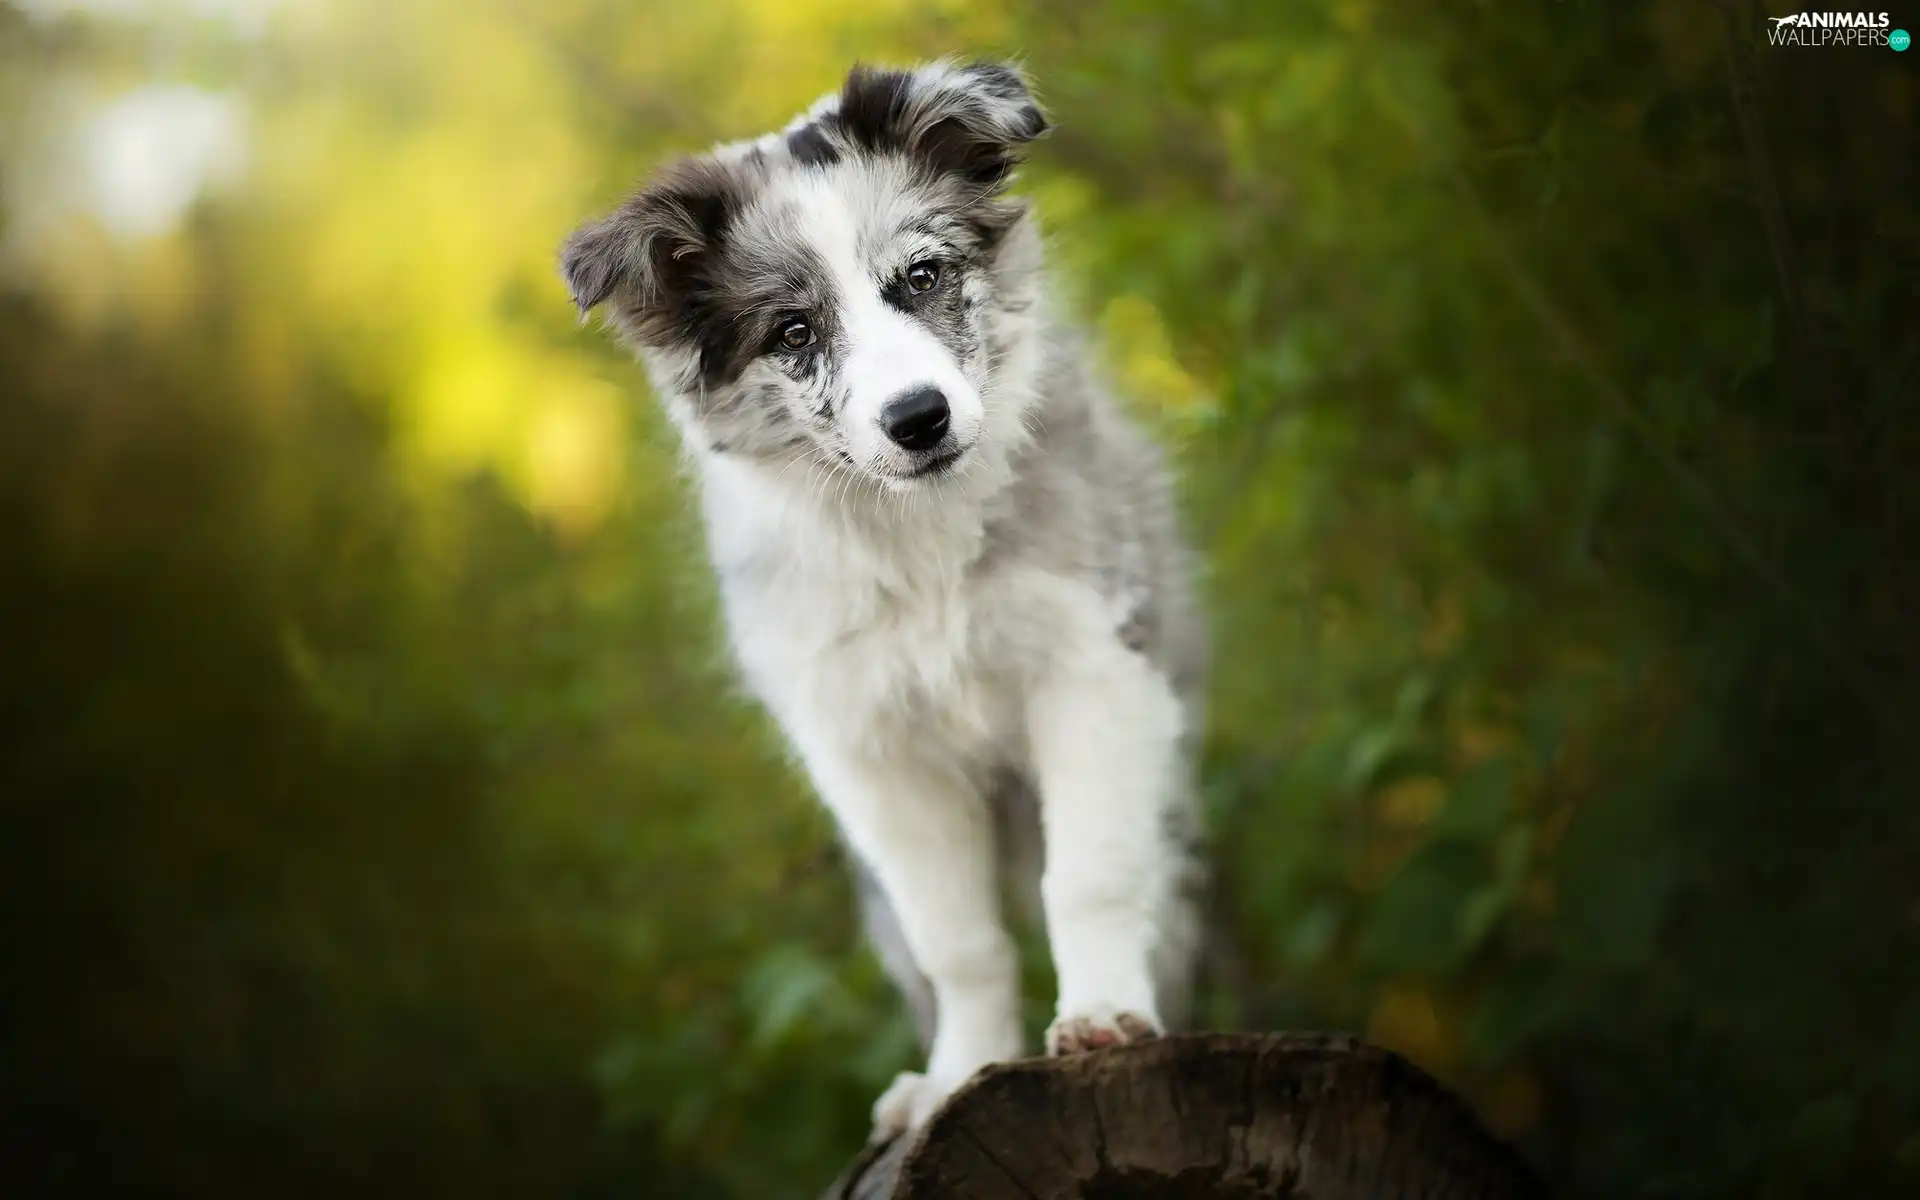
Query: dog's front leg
[
  {"x": 1105, "y": 728},
  {"x": 927, "y": 836}
]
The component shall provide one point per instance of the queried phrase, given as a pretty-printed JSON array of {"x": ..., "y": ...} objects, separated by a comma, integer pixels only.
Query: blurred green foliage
[{"x": 381, "y": 815}]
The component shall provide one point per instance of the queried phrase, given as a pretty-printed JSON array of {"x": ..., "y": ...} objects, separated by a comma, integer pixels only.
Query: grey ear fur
[
  {"x": 969, "y": 119},
  {"x": 656, "y": 244},
  {"x": 595, "y": 259}
]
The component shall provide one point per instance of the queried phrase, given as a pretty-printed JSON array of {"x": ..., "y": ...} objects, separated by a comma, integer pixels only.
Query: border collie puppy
[{"x": 950, "y": 568}]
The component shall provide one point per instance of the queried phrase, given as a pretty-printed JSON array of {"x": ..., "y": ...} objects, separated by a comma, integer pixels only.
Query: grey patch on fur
[{"x": 811, "y": 147}]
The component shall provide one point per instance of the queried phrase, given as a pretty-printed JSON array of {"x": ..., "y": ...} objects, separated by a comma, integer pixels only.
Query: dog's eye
[
  {"x": 796, "y": 334},
  {"x": 922, "y": 276}
]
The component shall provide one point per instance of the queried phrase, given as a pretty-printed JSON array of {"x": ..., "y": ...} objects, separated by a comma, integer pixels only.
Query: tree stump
[{"x": 1199, "y": 1117}]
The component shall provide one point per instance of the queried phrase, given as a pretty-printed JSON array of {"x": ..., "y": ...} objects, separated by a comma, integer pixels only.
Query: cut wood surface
[{"x": 1197, "y": 1117}]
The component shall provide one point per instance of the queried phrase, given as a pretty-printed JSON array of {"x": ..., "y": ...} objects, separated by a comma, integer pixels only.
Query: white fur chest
[{"x": 885, "y": 636}]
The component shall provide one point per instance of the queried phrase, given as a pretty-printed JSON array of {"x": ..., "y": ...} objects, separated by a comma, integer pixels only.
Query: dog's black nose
[{"x": 916, "y": 420}]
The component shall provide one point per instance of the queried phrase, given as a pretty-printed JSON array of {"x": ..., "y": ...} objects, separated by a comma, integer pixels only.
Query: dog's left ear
[{"x": 968, "y": 119}]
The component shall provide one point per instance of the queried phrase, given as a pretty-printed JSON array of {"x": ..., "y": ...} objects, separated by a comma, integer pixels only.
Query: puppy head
[{"x": 832, "y": 292}]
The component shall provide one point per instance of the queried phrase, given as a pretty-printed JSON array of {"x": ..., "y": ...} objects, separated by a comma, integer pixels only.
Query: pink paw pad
[{"x": 1080, "y": 1035}]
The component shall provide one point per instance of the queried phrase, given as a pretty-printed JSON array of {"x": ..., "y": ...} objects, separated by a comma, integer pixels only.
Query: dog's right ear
[
  {"x": 655, "y": 249},
  {"x": 595, "y": 259}
]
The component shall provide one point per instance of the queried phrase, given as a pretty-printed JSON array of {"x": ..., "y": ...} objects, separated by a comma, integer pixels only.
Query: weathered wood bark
[{"x": 1199, "y": 1117}]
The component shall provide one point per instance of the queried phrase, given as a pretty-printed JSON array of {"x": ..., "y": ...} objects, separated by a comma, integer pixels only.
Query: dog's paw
[
  {"x": 1103, "y": 1026},
  {"x": 906, "y": 1105}
]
